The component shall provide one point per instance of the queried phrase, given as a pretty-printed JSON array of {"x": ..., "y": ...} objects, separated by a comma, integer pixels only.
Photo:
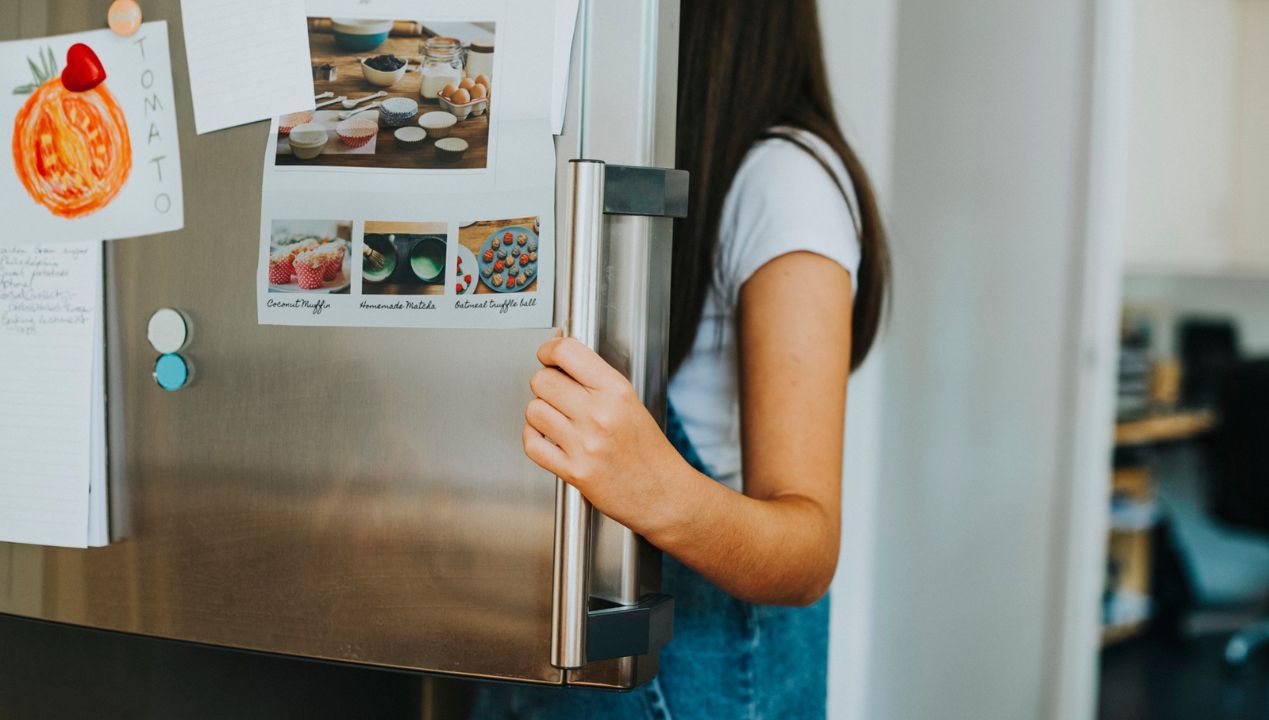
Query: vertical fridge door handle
[
  {"x": 571, "y": 586},
  {"x": 597, "y": 190}
]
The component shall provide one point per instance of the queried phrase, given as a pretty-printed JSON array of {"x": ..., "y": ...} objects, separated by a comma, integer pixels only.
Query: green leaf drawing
[{"x": 45, "y": 71}]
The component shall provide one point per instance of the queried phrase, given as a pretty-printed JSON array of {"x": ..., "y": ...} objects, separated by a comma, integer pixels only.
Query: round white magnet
[{"x": 168, "y": 330}]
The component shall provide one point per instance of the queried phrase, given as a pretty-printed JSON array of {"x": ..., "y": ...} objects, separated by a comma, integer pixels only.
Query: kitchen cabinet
[{"x": 1198, "y": 159}]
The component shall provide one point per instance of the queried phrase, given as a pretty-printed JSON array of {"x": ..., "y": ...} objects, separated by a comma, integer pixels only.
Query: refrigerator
[{"x": 359, "y": 495}]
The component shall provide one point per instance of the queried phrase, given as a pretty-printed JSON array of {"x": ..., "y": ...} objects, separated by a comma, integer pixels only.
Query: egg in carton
[{"x": 469, "y": 98}]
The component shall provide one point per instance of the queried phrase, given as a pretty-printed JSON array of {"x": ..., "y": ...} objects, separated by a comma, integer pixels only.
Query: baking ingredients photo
[
  {"x": 505, "y": 252},
  {"x": 389, "y": 91},
  {"x": 310, "y": 256},
  {"x": 404, "y": 258}
]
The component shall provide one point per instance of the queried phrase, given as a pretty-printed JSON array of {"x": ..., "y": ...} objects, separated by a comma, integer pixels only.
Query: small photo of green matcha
[{"x": 404, "y": 258}]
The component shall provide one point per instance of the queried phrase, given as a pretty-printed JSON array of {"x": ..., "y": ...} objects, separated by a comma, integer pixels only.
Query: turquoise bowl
[{"x": 360, "y": 35}]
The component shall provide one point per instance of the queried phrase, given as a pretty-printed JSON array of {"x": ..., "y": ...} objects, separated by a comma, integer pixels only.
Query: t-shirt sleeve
[{"x": 782, "y": 201}]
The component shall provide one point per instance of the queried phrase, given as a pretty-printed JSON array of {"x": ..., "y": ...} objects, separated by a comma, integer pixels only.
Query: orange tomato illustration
[{"x": 71, "y": 148}]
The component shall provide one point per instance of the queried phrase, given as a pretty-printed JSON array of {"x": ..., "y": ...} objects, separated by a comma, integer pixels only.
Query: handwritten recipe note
[{"x": 49, "y": 317}]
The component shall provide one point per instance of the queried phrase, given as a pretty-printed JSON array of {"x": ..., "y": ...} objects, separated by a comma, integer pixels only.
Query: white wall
[
  {"x": 859, "y": 50},
  {"x": 1245, "y": 299},
  {"x": 1181, "y": 209},
  {"x": 988, "y": 196},
  {"x": 1251, "y": 156}
]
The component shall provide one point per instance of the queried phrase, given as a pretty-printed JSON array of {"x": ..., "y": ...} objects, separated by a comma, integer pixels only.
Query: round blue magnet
[{"x": 171, "y": 372}]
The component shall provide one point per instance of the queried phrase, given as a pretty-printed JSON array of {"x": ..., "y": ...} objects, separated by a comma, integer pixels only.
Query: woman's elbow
[
  {"x": 803, "y": 591},
  {"x": 813, "y": 591}
]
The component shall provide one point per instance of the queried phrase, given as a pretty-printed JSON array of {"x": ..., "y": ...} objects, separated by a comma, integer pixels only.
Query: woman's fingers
[
  {"x": 550, "y": 422},
  {"x": 578, "y": 361},
  {"x": 559, "y": 391},
  {"x": 543, "y": 452}
]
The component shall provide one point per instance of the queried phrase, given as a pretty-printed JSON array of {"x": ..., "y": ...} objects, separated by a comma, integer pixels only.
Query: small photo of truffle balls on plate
[
  {"x": 309, "y": 256},
  {"x": 506, "y": 253}
]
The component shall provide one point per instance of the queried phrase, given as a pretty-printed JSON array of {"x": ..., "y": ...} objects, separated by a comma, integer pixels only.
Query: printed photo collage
[
  {"x": 394, "y": 265},
  {"x": 394, "y": 202}
]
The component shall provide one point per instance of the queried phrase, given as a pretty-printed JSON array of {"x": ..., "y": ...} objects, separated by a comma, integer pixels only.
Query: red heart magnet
[{"x": 83, "y": 69}]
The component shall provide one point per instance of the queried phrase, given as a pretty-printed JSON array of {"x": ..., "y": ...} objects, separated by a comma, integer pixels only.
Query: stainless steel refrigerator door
[{"x": 356, "y": 495}]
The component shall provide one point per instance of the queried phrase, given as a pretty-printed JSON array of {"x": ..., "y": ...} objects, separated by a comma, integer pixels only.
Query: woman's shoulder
[
  {"x": 790, "y": 172},
  {"x": 787, "y": 196}
]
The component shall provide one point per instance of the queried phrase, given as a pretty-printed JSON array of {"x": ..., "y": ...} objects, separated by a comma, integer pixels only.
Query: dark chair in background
[
  {"x": 1207, "y": 349},
  {"x": 1239, "y": 486}
]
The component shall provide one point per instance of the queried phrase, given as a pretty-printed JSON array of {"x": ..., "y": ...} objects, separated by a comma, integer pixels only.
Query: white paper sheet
[
  {"x": 130, "y": 119},
  {"x": 49, "y": 349},
  {"x": 565, "y": 26},
  {"x": 98, "y": 496},
  {"x": 248, "y": 60},
  {"x": 402, "y": 198}
]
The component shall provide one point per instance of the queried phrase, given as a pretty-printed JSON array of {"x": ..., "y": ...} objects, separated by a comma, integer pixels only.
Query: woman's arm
[{"x": 775, "y": 544}]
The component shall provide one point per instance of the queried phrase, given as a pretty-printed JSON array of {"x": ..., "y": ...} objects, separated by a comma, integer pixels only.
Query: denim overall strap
[{"x": 678, "y": 438}]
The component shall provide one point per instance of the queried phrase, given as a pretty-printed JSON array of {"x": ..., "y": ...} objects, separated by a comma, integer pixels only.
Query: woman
[{"x": 778, "y": 282}]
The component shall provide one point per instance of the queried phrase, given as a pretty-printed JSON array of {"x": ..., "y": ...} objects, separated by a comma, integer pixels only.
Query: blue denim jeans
[{"x": 729, "y": 659}]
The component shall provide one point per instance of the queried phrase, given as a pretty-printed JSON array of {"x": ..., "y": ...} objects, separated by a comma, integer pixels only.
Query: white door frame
[{"x": 1082, "y": 513}]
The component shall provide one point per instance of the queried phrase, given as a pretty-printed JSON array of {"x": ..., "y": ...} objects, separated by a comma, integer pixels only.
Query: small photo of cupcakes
[{"x": 308, "y": 256}]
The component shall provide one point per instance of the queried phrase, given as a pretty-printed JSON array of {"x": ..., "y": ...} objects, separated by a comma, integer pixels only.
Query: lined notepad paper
[
  {"x": 52, "y": 428},
  {"x": 248, "y": 60}
]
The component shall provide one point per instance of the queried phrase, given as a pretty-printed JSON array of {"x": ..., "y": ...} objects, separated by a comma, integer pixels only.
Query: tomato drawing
[{"x": 71, "y": 148}]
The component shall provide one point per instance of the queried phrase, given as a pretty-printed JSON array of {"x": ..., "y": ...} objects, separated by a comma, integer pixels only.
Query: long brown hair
[{"x": 746, "y": 66}]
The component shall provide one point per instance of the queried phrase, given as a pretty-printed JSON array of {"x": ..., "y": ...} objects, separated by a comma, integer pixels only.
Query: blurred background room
[{"x": 1058, "y": 467}]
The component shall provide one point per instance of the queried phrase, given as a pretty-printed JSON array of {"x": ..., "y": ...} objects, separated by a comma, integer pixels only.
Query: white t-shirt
[{"x": 781, "y": 201}]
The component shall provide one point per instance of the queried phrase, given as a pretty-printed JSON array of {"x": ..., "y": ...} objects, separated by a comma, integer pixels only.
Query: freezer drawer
[{"x": 357, "y": 495}]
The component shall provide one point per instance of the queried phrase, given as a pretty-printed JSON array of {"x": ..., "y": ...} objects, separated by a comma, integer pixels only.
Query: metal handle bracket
[
  {"x": 650, "y": 191},
  {"x": 626, "y": 630}
]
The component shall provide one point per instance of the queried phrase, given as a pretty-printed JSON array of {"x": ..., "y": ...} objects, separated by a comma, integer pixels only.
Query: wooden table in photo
[
  {"x": 473, "y": 236},
  {"x": 350, "y": 83}
]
